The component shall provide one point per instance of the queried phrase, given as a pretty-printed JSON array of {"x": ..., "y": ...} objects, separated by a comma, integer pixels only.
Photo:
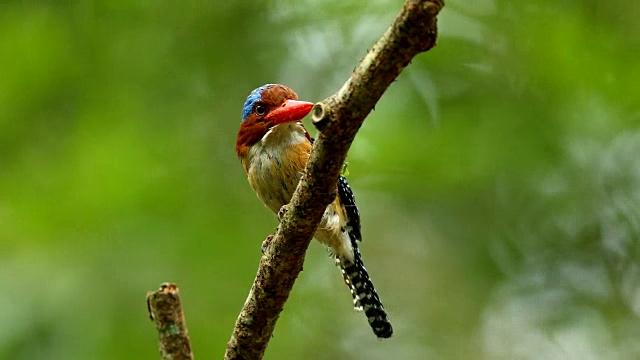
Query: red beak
[{"x": 290, "y": 110}]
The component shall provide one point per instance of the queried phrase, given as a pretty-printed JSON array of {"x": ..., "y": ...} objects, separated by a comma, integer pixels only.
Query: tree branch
[
  {"x": 165, "y": 310},
  {"x": 338, "y": 118}
]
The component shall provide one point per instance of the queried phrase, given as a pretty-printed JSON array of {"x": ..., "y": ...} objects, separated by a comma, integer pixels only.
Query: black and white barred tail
[
  {"x": 364, "y": 294},
  {"x": 355, "y": 275}
]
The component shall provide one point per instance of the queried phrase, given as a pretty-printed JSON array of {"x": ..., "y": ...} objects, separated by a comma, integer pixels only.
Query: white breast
[{"x": 275, "y": 165}]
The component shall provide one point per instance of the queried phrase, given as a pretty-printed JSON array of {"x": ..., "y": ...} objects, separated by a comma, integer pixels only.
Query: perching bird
[{"x": 274, "y": 148}]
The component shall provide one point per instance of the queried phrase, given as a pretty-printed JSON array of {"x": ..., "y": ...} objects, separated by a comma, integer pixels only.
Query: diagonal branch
[{"x": 338, "y": 119}]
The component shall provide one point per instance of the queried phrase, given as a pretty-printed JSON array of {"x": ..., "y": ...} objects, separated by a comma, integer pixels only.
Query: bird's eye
[{"x": 260, "y": 110}]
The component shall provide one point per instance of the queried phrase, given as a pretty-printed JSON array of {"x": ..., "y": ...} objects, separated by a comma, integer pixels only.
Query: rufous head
[{"x": 266, "y": 107}]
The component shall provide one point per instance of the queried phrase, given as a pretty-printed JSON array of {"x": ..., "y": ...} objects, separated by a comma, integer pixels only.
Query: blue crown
[{"x": 255, "y": 95}]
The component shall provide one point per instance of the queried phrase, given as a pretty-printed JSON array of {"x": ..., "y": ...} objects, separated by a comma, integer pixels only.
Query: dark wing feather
[{"x": 349, "y": 202}]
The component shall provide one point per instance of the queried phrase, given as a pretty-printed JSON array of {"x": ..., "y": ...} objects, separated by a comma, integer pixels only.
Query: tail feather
[
  {"x": 354, "y": 273},
  {"x": 364, "y": 294}
]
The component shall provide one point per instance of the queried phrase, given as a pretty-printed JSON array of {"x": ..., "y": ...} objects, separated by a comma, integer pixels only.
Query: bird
[{"x": 274, "y": 146}]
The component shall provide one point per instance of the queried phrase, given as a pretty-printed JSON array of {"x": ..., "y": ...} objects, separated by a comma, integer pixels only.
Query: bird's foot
[
  {"x": 283, "y": 210},
  {"x": 266, "y": 243}
]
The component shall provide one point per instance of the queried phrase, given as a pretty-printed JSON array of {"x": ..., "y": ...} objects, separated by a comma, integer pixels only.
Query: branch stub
[{"x": 319, "y": 116}]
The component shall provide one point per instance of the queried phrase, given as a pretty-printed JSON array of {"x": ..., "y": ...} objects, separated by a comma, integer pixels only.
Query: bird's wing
[{"x": 349, "y": 202}]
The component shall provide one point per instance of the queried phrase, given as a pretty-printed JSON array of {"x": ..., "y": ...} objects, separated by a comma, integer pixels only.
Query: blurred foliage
[{"x": 498, "y": 178}]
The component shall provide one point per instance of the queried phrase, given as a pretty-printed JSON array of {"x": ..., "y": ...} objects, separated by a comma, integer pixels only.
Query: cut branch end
[
  {"x": 319, "y": 116},
  {"x": 165, "y": 310}
]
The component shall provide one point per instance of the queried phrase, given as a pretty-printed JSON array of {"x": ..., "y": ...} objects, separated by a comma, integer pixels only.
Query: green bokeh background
[{"x": 498, "y": 178}]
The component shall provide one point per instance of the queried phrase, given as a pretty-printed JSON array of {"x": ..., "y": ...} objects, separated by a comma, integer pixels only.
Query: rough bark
[
  {"x": 165, "y": 309},
  {"x": 338, "y": 119}
]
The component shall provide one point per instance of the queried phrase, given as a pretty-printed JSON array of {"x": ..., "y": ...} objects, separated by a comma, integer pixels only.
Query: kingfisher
[{"x": 274, "y": 147}]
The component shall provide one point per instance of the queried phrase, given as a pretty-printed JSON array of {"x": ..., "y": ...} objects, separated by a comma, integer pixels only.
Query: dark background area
[{"x": 498, "y": 179}]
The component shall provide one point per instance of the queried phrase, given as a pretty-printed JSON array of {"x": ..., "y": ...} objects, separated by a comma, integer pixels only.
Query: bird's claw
[
  {"x": 283, "y": 210},
  {"x": 266, "y": 243}
]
